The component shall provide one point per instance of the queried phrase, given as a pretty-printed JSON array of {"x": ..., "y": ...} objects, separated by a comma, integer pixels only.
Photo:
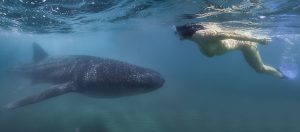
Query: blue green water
[{"x": 219, "y": 94}]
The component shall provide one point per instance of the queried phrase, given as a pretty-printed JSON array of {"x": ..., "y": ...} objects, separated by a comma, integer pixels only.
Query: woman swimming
[{"x": 213, "y": 40}]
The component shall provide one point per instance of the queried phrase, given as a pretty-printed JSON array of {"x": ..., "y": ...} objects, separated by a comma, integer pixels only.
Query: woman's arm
[
  {"x": 241, "y": 37},
  {"x": 221, "y": 35}
]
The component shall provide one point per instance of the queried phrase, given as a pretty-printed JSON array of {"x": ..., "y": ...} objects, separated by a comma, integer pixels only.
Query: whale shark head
[
  {"x": 148, "y": 80},
  {"x": 188, "y": 30},
  {"x": 126, "y": 81}
]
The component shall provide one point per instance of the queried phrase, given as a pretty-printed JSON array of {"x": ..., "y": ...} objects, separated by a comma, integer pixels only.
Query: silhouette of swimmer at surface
[{"x": 213, "y": 40}]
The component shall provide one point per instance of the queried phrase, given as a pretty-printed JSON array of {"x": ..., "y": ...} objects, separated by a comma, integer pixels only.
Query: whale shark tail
[{"x": 52, "y": 92}]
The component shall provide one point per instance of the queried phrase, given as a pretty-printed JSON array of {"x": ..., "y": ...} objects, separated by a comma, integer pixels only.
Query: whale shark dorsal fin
[
  {"x": 49, "y": 93},
  {"x": 38, "y": 53}
]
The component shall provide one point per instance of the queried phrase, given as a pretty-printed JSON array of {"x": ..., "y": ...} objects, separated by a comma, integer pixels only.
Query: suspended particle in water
[{"x": 262, "y": 17}]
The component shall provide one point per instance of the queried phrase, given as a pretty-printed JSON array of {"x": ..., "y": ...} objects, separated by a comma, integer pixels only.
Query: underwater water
[{"x": 218, "y": 94}]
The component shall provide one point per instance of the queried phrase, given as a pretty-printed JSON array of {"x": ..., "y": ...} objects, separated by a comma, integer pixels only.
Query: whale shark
[{"x": 87, "y": 75}]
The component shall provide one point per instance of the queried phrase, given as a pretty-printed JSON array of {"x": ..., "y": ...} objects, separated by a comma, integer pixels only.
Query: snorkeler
[{"x": 213, "y": 40}]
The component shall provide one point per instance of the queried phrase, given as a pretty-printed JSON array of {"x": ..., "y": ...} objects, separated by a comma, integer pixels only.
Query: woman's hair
[{"x": 188, "y": 30}]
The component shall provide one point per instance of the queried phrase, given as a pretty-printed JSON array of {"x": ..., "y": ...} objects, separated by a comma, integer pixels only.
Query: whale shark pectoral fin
[
  {"x": 38, "y": 53},
  {"x": 52, "y": 92}
]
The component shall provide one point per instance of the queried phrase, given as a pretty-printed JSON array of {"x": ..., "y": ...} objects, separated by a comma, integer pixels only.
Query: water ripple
[{"x": 65, "y": 16}]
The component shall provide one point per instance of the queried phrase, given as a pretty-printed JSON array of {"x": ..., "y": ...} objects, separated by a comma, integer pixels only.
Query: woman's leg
[{"x": 253, "y": 58}]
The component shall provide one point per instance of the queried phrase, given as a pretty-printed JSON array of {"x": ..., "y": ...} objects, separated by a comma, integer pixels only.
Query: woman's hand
[{"x": 265, "y": 41}]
